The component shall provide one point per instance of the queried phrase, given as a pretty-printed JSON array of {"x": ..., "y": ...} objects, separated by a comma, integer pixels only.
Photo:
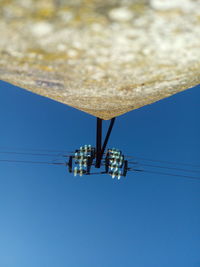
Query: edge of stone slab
[{"x": 106, "y": 114}]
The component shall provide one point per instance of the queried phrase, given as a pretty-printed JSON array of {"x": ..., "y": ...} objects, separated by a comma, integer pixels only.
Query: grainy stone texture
[{"x": 105, "y": 57}]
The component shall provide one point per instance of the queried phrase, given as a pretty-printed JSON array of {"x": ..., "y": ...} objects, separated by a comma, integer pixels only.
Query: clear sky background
[{"x": 50, "y": 218}]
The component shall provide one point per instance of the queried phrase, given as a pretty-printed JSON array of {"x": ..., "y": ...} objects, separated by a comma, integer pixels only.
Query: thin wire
[
  {"x": 169, "y": 174},
  {"x": 33, "y": 149},
  {"x": 32, "y": 154},
  {"x": 163, "y": 167},
  {"x": 24, "y": 153},
  {"x": 96, "y": 173},
  {"x": 64, "y": 151},
  {"x": 32, "y": 162},
  {"x": 163, "y": 161},
  {"x": 61, "y": 163}
]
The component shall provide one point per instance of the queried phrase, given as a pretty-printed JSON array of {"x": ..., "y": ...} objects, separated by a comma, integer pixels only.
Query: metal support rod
[
  {"x": 100, "y": 150},
  {"x": 98, "y": 143},
  {"x": 107, "y": 136}
]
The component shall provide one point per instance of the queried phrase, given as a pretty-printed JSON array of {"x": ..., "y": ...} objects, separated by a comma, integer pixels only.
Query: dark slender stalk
[
  {"x": 107, "y": 136},
  {"x": 98, "y": 143}
]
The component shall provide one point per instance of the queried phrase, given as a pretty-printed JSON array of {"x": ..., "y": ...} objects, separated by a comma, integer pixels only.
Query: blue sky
[{"x": 50, "y": 218}]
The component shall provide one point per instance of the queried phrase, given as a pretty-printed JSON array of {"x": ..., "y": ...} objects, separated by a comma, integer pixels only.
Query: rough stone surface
[{"x": 105, "y": 57}]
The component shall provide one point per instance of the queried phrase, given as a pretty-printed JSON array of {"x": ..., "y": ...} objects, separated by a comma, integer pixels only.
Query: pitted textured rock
[{"x": 104, "y": 57}]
